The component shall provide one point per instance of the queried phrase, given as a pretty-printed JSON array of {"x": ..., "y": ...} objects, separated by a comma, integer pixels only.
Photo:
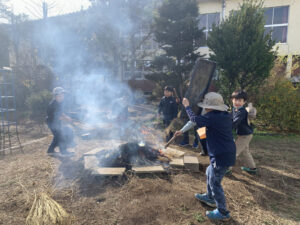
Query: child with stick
[
  {"x": 221, "y": 150},
  {"x": 169, "y": 108}
]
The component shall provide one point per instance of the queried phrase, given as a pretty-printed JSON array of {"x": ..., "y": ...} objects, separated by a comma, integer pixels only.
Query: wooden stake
[{"x": 170, "y": 141}]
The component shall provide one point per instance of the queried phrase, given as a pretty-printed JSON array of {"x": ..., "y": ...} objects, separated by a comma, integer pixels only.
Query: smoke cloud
[{"x": 91, "y": 79}]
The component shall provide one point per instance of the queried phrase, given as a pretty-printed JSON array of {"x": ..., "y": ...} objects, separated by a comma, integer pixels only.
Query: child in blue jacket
[
  {"x": 168, "y": 108},
  {"x": 243, "y": 130},
  {"x": 221, "y": 150}
]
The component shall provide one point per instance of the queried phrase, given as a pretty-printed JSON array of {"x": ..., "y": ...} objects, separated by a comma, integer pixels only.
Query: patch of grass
[
  {"x": 297, "y": 211},
  {"x": 199, "y": 218},
  {"x": 184, "y": 208},
  {"x": 269, "y": 223},
  {"x": 297, "y": 216},
  {"x": 276, "y": 137},
  {"x": 274, "y": 207}
]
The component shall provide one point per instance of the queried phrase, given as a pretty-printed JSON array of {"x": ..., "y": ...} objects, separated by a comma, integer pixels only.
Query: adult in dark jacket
[
  {"x": 221, "y": 150},
  {"x": 168, "y": 108},
  {"x": 62, "y": 135}
]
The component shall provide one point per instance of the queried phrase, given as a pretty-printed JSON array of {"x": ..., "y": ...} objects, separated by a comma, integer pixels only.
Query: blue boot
[
  {"x": 249, "y": 170},
  {"x": 205, "y": 199},
  {"x": 216, "y": 215}
]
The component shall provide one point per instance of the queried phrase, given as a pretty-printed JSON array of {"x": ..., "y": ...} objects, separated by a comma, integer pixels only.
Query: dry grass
[
  {"x": 271, "y": 197},
  {"x": 46, "y": 211}
]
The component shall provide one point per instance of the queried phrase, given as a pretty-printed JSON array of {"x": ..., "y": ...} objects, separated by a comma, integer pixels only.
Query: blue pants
[{"x": 215, "y": 191}]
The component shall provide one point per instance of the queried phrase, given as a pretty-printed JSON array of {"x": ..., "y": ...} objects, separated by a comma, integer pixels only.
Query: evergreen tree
[
  {"x": 242, "y": 49},
  {"x": 177, "y": 32},
  {"x": 4, "y": 13},
  {"x": 127, "y": 26}
]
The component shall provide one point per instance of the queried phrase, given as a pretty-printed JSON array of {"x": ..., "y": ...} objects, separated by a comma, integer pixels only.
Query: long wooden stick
[{"x": 170, "y": 141}]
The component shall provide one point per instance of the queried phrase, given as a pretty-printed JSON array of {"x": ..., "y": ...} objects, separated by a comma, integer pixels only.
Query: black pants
[
  {"x": 186, "y": 138},
  {"x": 62, "y": 137},
  {"x": 170, "y": 134},
  {"x": 204, "y": 146}
]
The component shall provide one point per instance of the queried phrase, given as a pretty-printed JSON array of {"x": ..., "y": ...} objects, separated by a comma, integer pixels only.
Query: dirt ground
[{"x": 270, "y": 197}]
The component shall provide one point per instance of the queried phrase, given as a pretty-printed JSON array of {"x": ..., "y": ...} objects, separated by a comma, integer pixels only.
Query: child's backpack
[{"x": 251, "y": 112}]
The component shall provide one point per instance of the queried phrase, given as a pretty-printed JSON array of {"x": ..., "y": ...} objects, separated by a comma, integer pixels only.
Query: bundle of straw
[{"x": 46, "y": 211}]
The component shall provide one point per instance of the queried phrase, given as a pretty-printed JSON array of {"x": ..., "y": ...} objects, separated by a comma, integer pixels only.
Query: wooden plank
[
  {"x": 90, "y": 162},
  {"x": 148, "y": 169},
  {"x": 200, "y": 79},
  {"x": 93, "y": 152},
  {"x": 191, "y": 163},
  {"x": 109, "y": 171},
  {"x": 172, "y": 152},
  {"x": 177, "y": 162}
]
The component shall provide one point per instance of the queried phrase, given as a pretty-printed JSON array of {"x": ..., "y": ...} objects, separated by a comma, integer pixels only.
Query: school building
[{"x": 282, "y": 18}]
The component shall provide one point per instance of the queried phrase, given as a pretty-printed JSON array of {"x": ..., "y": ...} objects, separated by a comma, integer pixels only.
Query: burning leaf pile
[{"x": 131, "y": 154}]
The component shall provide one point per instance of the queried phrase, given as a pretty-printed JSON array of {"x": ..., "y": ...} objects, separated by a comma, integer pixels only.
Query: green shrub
[
  {"x": 278, "y": 107},
  {"x": 37, "y": 104}
]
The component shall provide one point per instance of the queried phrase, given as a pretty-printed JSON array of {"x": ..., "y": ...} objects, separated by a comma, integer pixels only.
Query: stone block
[
  {"x": 177, "y": 162},
  {"x": 191, "y": 163}
]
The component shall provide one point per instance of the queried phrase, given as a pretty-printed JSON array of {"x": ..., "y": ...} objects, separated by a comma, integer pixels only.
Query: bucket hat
[
  {"x": 213, "y": 100},
  {"x": 58, "y": 91}
]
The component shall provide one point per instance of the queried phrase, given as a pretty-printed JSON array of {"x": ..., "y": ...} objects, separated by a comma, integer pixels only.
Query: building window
[
  {"x": 145, "y": 40},
  {"x": 139, "y": 70},
  {"x": 277, "y": 23},
  {"x": 206, "y": 22}
]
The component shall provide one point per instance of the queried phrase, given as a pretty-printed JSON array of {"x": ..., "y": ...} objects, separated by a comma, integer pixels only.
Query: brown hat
[{"x": 213, "y": 100}]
